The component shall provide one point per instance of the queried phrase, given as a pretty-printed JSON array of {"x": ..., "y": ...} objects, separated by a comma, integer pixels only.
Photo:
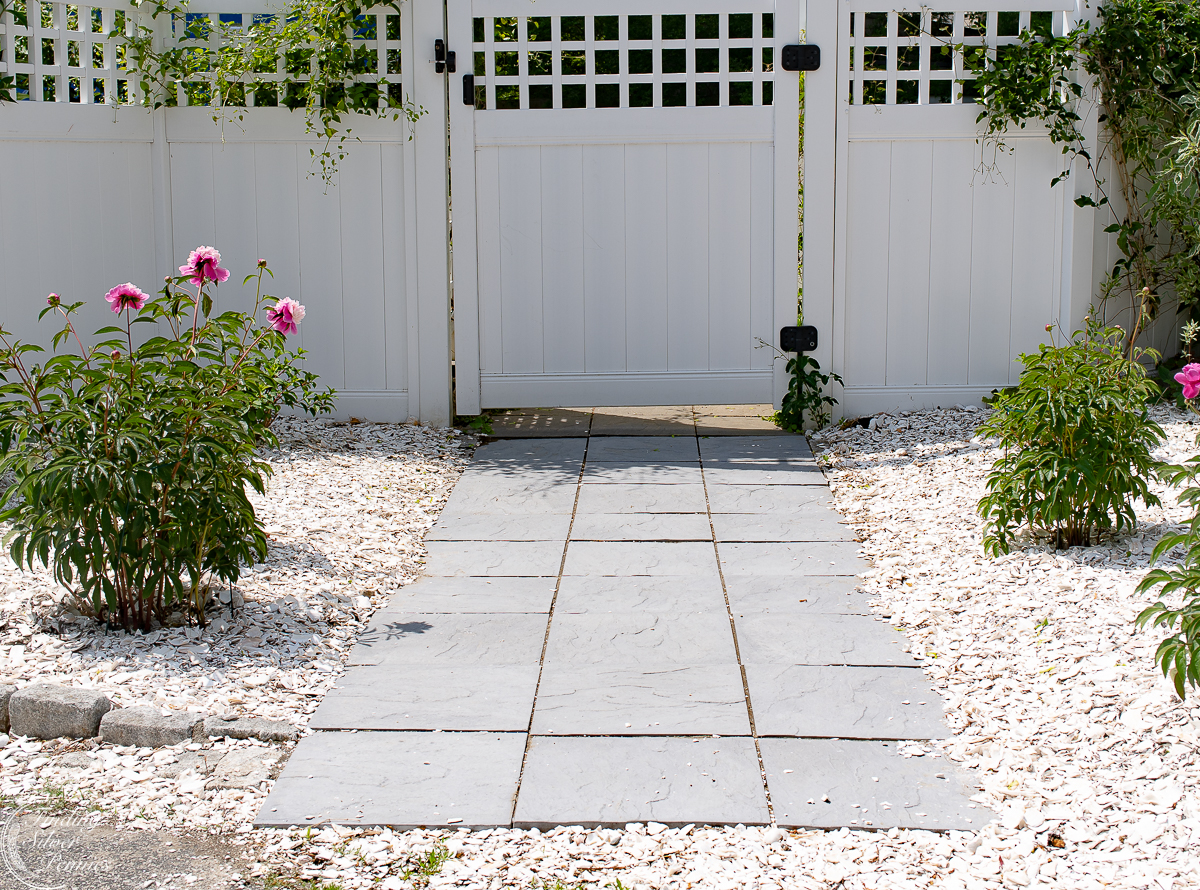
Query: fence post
[{"x": 431, "y": 387}]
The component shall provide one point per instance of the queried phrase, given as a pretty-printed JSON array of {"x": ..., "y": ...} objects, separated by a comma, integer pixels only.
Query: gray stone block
[
  {"x": 250, "y": 728},
  {"x": 731, "y": 447},
  {"x": 782, "y": 499},
  {"x": 451, "y": 639},
  {"x": 794, "y": 559},
  {"x": 488, "y": 698},
  {"x": 844, "y": 702},
  {"x": 467, "y": 594},
  {"x": 5, "y": 694},
  {"x": 911, "y": 792},
  {"x": 399, "y": 779},
  {"x": 147, "y": 727},
  {"x": 641, "y": 527},
  {"x": 646, "y": 449},
  {"x": 480, "y": 497},
  {"x": 491, "y": 527},
  {"x": 640, "y": 639},
  {"x": 641, "y": 472},
  {"x": 493, "y": 558},
  {"x": 625, "y": 497},
  {"x": 679, "y": 700},
  {"x": 662, "y": 593},
  {"x": 821, "y": 640},
  {"x": 522, "y": 451},
  {"x": 613, "y": 781},
  {"x": 810, "y": 522},
  {"x": 754, "y": 472},
  {"x": 752, "y": 596},
  {"x": 49, "y": 711},
  {"x": 640, "y": 558},
  {"x": 244, "y": 768}
]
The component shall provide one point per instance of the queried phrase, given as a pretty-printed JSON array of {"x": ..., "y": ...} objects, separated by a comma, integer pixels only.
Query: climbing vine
[{"x": 1142, "y": 61}]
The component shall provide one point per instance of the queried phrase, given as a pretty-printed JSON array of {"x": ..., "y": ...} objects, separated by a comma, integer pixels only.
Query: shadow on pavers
[{"x": 41, "y": 851}]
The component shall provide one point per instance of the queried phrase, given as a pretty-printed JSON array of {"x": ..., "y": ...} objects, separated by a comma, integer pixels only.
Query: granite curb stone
[
  {"x": 5, "y": 694},
  {"x": 50, "y": 711},
  {"x": 250, "y": 728},
  {"x": 146, "y": 727}
]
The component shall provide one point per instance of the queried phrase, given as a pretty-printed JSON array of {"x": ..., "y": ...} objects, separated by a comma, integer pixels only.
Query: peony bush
[{"x": 130, "y": 464}]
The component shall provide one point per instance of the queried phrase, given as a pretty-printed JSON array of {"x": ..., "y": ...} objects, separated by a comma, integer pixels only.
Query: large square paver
[
  {"x": 735, "y": 426},
  {"x": 908, "y": 793},
  {"x": 408, "y": 639},
  {"x": 844, "y": 702},
  {"x": 524, "y": 452},
  {"x": 640, "y": 639},
  {"x": 638, "y": 472},
  {"x": 640, "y": 558},
  {"x": 754, "y": 595},
  {"x": 626, "y": 497},
  {"x": 548, "y": 422},
  {"x": 792, "y": 558},
  {"x": 480, "y": 496},
  {"x": 763, "y": 472},
  {"x": 643, "y": 421},
  {"x": 679, "y": 700},
  {"x": 645, "y": 449},
  {"x": 612, "y": 781},
  {"x": 471, "y": 594},
  {"x": 643, "y": 593},
  {"x": 489, "y": 697},
  {"x": 490, "y": 558},
  {"x": 821, "y": 640},
  {"x": 641, "y": 527},
  {"x": 493, "y": 527},
  {"x": 399, "y": 779},
  {"x": 810, "y": 522},
  {"x": 777, "y": 499},
  {"x": 775, "y": 447}
]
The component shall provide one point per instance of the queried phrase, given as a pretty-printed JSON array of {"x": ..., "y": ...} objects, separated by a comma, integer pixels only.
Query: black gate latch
[
  {"x": 801, "y": 57},
  {"x": 468, "y": 89},
  {"x": 442, "y": 60},
  {"x": 798, "y": 338}
]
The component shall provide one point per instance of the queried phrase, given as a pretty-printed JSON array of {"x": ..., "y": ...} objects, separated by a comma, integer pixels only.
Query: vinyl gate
[{"x": 624, "y": 195}]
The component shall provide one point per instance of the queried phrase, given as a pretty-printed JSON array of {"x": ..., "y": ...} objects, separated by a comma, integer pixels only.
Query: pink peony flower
[
  {"x": 53, "y": 300},
  {"x": 202, "y": 265},
  {"x": 287, "y": 313},
  {"x": 125, "y": 296},
  {"x": 1190, "y": 378}
]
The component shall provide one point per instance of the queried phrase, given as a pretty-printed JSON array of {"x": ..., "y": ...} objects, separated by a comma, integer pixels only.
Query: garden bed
[{"x": 1078, "y": 744}]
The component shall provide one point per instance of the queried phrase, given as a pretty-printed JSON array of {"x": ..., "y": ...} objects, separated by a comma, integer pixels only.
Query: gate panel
[{"x": 621, "y": 166}]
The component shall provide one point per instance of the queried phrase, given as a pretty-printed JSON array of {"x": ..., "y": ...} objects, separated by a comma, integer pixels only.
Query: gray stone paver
[
  {"x": 613, "y": 781},
  {"x": 490, "y": 697},
  {"x": 662, "y": 593},
  {"x": 401, "y": 779},
  {"x": 619, "y": 659},
  {"x": 670, "y": 700}
]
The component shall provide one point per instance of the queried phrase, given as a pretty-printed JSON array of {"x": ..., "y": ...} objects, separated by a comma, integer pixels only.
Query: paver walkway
[{"x": 622, "y": 629}]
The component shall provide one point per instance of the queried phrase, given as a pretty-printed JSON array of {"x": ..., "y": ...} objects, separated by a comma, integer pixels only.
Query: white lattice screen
[
  {"x": 914, "y": 57},
  {"x": 62, "y": 52},
  {"x": 623, "y": 61}
]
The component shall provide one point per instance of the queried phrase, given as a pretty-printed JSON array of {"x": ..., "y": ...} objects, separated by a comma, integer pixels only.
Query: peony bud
[
  {"x": 53, "y": 300},
  {"x": 262, "y": 264}
]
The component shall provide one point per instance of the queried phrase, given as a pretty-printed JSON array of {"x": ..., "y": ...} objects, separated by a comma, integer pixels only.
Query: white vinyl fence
[{"x": 95, "y": 192}]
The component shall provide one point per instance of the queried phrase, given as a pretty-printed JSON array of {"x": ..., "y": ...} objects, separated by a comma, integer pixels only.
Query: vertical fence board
[
  {"x": 950, "y": 262},
  {"x": 646, "y": 257},
  {"x": 762, "y": 256},
  {"x": 1034, "y": 282},
  {"x": 562, "y": 258},
  {"x": 604, "y": 256},
  {"x": 991, "y": 273},
  {"x": 867, "y": 232},
  {"x": 908, "y": 263},
  {"x": 521, "y": 257},
  {"x": 360, "y": 191},
  {"x": 729, "y": 256},
  {"x": 687, "y": 279},
  {"x": 487, "y": 222}
]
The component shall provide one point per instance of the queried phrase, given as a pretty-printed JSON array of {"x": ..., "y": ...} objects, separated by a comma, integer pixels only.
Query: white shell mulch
[
  {"x": 346, "y": 511},
  {"x": 1052, "y": 696}
]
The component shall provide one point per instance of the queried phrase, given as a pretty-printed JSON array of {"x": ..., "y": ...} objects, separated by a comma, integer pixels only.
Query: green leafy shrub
[
  {"x": 1077, "y": 440},
  {"x": 1179, "y": 653},
  {"x": 131, "y": 462},
  {"x": 806, "y": 395}
]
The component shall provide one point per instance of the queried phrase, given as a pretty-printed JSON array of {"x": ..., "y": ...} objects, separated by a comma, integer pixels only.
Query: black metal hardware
[
  {"x": 451, "y": 63},
  {"x": 439, "y": 55},
  {"x": 802, "y": 338},
  {"x": 801, "y": 57},
  {"x": 468, "y": 89}
]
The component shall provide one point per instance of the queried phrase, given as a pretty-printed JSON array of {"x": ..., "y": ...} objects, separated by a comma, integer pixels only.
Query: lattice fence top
[
  {"x": 63, "y": 52},
  {"x": 927, "y": 57},
  {"x": 623, "y": 61}
]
